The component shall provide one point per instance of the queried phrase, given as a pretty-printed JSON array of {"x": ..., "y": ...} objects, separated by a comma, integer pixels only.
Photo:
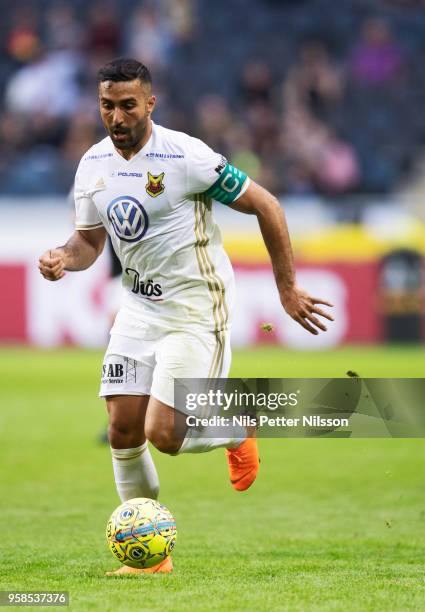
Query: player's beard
[{"x": 131, "y": 137}]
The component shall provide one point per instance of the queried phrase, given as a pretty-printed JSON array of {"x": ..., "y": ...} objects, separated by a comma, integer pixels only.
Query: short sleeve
[
  {"x": 86, "y": 213},
  {"x": 210, "y": 173}
]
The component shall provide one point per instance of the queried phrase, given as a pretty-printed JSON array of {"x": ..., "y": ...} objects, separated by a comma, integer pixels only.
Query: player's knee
[
  {"x": 164, "y": 441},
  {"x": 121, "y": 435}
]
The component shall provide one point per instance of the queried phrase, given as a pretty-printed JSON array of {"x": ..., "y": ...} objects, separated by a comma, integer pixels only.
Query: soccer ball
[{"x": 141, "y": 532}]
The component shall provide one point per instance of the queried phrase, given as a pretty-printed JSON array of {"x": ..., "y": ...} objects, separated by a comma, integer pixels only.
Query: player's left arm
[{"x": 298, "y": 304}]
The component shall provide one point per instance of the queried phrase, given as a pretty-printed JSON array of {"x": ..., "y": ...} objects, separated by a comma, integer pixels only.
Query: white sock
[
  {"x": 135, "y": 472},
  {"x": 198, "y": 441}
]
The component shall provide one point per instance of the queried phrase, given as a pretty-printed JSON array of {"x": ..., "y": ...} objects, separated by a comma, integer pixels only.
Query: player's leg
[
  {"x": 166, "y": 428},
  {"x": 134, "y": 470},
  {"x": 185, "y": 355},
  {"x": 126, "y": 386}
]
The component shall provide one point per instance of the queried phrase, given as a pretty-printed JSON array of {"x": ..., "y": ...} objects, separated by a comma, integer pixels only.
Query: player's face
[{"x": 125, "y": 108}]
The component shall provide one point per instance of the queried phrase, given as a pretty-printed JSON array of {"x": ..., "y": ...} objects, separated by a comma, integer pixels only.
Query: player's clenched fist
[{"x": 52, "y": 264}]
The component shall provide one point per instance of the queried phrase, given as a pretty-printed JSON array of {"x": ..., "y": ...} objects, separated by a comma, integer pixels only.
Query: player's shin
[{"x": 135, "y": 472}]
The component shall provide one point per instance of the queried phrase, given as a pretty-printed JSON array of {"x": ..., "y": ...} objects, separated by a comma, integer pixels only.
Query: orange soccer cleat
[
  {"x": 243, "y": 462},
  {"x": 165, "y": 567}
]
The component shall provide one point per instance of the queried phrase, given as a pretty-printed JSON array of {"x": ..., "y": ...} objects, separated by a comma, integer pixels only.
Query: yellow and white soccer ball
[{"x": 141, "y": 532}]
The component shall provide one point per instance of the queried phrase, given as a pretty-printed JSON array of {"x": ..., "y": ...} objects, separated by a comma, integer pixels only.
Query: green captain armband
[{"x": 229, "y": 186}]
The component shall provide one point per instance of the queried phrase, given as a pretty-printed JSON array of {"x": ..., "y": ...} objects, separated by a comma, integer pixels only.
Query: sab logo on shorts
[
  {"x": 113, "y": 370},
  {"x": 128, "y": 218},
  {"x": 118, "y": 373}
]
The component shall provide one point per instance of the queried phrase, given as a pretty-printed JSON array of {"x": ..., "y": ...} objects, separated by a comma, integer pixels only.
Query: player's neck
[{"x": 130, "y": 153}]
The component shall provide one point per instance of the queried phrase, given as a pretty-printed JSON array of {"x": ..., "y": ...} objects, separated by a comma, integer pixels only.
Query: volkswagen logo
[{"x": 128, "y": 218}]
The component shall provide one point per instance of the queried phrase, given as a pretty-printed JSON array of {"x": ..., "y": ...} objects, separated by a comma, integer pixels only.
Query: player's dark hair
[{"x": 124, "y": 69}]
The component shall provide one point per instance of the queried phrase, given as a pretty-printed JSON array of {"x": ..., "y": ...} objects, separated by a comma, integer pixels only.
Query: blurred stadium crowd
[{"x": 307, "y": 96}]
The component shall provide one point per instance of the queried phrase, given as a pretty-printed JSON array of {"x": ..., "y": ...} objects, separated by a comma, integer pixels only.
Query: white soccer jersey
[{"x": 157, "y": 210}]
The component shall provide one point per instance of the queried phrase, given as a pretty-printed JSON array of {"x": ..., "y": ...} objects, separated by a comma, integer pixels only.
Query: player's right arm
[
  {"x": 88, "y": 240},
  {"x": 79, "y": 253}
]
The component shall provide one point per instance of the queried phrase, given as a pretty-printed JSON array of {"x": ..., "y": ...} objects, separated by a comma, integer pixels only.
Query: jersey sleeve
[
  {"x": 211, "y": 174},
  {"x": 86, "y": 214}
]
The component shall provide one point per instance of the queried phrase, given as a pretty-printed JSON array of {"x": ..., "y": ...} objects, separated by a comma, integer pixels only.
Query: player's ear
[{"x": 150, "y": 104}]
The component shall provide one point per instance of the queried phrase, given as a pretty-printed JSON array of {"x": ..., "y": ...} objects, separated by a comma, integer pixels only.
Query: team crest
[{"x": 155, "y": 186}]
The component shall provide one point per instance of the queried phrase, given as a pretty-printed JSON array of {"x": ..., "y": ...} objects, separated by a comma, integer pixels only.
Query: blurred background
[{"x": 321, "y": 103}]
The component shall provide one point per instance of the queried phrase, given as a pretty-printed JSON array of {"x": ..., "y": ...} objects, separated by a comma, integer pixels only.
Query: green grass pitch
[{"x": 329, "y": 524}]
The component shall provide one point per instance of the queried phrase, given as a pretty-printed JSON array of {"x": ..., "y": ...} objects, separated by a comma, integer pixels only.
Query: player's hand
[
  {"x": 52, "y": 265},
  {"x": 302, "y": 308}
]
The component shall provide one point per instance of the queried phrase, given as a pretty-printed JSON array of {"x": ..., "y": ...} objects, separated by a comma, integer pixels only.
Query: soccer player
[{"x": 151, "y": 189}]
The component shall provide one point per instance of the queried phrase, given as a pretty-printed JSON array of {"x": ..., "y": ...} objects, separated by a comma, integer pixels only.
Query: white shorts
[{"x": 148, "y": 367}]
